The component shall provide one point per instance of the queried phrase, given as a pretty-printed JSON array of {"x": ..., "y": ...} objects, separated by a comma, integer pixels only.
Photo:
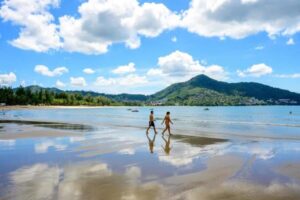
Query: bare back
[{"x": 151, "y": 118}]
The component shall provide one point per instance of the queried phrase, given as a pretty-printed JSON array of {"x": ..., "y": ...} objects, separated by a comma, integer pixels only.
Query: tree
[
  {"x": 7, "y": 96},
  {"x": 21, "y": 96}
]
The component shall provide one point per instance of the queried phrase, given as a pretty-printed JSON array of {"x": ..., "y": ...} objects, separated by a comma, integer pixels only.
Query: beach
[{"x": 232, "y": 153}]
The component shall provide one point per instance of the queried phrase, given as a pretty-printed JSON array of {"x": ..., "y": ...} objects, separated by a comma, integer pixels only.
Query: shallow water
[{"x": 224, "y": 153}]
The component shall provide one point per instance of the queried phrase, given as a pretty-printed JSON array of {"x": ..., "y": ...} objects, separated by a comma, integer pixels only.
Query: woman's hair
[{"x": 168, "y": 113}]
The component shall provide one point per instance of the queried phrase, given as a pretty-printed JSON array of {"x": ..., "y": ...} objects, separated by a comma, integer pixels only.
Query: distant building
[
  {"x": 287, "y": 101},
  {"x": 155, "y": 103},
  {"x": 294, "y": 102}
]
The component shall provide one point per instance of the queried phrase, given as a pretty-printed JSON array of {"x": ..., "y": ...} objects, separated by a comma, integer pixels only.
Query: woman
[{"x": 167, "y": 121}]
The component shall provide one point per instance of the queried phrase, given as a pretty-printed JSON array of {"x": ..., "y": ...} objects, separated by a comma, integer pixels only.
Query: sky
[{"x": 140, "y": 47}]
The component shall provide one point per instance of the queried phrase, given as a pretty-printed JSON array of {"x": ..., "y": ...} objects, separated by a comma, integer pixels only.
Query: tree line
[{"x": 25, "y": 96}]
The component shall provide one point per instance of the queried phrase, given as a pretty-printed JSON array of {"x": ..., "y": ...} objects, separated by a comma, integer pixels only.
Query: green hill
[
  {"x": 202, "y": 90},
  {"x": 36, "y": 88}
]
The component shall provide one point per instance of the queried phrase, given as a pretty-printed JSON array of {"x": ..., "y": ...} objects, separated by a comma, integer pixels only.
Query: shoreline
[{"x": 21, "y": 107}]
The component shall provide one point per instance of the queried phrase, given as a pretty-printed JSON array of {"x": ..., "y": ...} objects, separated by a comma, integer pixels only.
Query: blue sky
[{"x": 135, "y": 46}]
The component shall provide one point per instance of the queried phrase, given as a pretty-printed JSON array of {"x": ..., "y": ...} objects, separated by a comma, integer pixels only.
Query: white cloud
[
  {"x": 124, "y": 69},
  {"x": 44, "y": 70},
  {"x": 259, "y": 48},
  {"x": 130, "y": 83},
  {"x": 180, "y": 66},
  {"x": 60, "y": 84},
  {"x": 216, "y": 71},
  {"x": 241, "y": 18},
  {"x": 257, "y": 70},
  {"x": 44, "y": 146},
  {"x": 150, "y": 19},
  {"x": 297, "y": 75},
  {"x": 38, "y": 31},
  {"x": 101, "y": 81},
  {"x": 88, "y": 71},
  {"x": 38, "y": 181},
  {"x": 133, "y": 172},
  {"x": 290, "y": 41},
  {"x": 127, "y": 151},
  {"x": 99, "y": 24},
  {"x": 185, "y": 154},
  {"x": 78, "y": 81},
  {"x": 7, "y": 79},
  {"x": 249, "y": 1},
  {"x": 8, "y": 143},
  {"x": 155, "y": 72},
  {"x": 128, "y": 80},
  {"x": 102, "y": 23},
  {"x": 174, "y": 39}
]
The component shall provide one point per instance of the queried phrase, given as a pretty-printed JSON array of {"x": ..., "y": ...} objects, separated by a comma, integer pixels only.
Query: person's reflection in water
[
  {"x": 167, "y": 148},
  {"x": 151, "y": 142}
]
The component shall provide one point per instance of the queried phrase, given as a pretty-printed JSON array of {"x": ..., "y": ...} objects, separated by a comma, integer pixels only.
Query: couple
[{"x": 167, "y": 120}]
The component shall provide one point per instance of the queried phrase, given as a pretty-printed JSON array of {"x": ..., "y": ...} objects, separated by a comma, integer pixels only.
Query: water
[
  {"x": 259, "y": 122},
  {"x": 104, "y": 153}
]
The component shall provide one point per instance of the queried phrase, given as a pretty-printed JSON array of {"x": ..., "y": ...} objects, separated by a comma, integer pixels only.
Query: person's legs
[
  {"x": 148, "y": 128},
  {"x": 155, "y": 130},
  {"x": 164, "y": 130},
  {"x": 169, "y": 130}
]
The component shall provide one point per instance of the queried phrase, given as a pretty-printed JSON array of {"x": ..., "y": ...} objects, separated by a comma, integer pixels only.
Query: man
[{"x": 151, "y": 122}]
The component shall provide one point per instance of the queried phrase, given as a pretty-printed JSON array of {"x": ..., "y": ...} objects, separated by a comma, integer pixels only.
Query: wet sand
[
  {"x": 17, "y": 129},
  {"x": 290, "y": 169},
  {"x": 94, "y": 180},
  {"x": 57, "y": 160}
]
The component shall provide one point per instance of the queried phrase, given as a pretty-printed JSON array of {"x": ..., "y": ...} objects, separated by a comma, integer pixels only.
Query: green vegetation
[
  {"x": 204, "y": 91},
  {"x": 40, "y": 96},
  {"x": 199, "y": 91}
]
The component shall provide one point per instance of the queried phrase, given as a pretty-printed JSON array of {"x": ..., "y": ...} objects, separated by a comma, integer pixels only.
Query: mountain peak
[
  {"x": 202, "y": 78},
  {"x": 202, "y": 81}
]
